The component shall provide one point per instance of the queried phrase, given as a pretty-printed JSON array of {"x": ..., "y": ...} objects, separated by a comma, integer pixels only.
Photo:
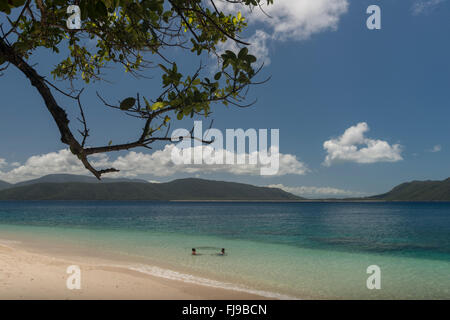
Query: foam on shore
[{"x": 188, "y": 278}]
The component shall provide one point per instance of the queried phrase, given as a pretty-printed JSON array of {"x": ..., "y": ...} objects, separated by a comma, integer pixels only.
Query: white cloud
[
  {"x": 299, "y": 19},
  {"x": 436, "y": 148},
  {"x": 353, "y": 146},
  {"x": 288, "y": 20},
  {"x": 160, "y": 164},
  {"x": 425, "y": 6},
  {"x": 62, "y": 161},
  {"x": 317, "y": 192},
  {"x": 3, "y": 163},
  {"x": 132, "y": 164}
]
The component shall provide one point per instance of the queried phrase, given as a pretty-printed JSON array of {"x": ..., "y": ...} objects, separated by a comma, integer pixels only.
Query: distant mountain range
[
  {"x": 64, "y": 178},
  {"x": 5, "y": 185},
  {"x": 418, "y": 191},
  {"x": 73, "y": 187}
]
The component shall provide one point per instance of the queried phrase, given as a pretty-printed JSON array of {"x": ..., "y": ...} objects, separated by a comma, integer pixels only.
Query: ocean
[{"x": 278, "y": 250}]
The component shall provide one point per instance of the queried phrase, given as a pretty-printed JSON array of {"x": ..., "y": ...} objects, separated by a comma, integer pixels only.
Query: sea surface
[{"x": 279, "y": 250}]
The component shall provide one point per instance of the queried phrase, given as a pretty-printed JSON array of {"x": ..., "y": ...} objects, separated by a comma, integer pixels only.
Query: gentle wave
[
  {"x": 175, "y": 275},
  {"x": 7, "y": 243}
]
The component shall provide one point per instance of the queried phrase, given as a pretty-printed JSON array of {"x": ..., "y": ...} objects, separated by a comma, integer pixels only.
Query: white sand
[{"x": 26, "y": 275}]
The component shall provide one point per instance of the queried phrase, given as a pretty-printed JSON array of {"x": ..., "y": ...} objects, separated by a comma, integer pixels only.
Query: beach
[
  {"x": 142, "y": 250},
  {"x": 27, "y": 275}
]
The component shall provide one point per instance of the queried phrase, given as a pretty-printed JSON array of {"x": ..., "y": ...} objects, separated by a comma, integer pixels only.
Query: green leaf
[
  {"x": 230, "y": 54},
  {"x": 17, "y": 3},
  {"x": 251, "y": 58},
  {"x": 158, "y": 105},
  {"x": 4, "y": 7},
  {"x": 100, "y": 9},
  {"x": 164, "y": 68},
  {"x": 147, "y": 104},
  {"x": 127, "y": 103},
  {"x": 243, "y": 53}
]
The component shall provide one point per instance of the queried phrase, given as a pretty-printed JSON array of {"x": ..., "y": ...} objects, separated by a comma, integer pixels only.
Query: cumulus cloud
[
  {"x": 288, "y": 20},
  {"x": 317, "y": 192},
  {"x": 161, "y": 164},
  {"x": 62, "y": 161},
  {"x": 354, "y": 146},
  {"x": 436, "y": 148},
  {"x": 3, "y": 163},
  {"x": 425, "y": 6},
  {"x": 132, "y": 164},
  {"x": 299, "y": 19}
]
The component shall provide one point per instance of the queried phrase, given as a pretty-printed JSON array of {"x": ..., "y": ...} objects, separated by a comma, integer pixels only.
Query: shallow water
[{"x": 301, "y": 250}]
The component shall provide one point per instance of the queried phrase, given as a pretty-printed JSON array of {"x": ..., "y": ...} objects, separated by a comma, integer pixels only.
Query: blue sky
[{"x": 328, "y": 73}]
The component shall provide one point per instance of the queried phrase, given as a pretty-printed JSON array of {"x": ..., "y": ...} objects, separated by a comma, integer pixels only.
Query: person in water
[
  {"x": 222, "y": 252},
  {"x": 194, "y": 252}
]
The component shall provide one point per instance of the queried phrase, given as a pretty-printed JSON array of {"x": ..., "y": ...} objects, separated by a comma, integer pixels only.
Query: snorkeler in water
[{"x": 221, "y": 253}]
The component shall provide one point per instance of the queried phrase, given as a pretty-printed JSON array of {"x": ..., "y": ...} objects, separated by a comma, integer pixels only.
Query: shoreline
[
  {"x": 27, "y": 275},
  {"x": 232, "y": 201}
]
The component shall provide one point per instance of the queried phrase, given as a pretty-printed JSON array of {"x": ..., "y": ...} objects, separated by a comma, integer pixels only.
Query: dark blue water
[{"x": 416, "y": 229}]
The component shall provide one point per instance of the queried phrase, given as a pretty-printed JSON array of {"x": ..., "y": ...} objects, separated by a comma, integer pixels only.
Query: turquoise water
[{"x": 299, "y": 250}]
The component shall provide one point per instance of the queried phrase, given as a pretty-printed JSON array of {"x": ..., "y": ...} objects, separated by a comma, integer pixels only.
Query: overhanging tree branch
[{"x": 127, "y": 33}]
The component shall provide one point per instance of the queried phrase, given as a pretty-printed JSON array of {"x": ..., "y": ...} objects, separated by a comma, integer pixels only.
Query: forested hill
[
  {"x": 182, "y": 189},
  {"x": 418, "y": 191}
]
